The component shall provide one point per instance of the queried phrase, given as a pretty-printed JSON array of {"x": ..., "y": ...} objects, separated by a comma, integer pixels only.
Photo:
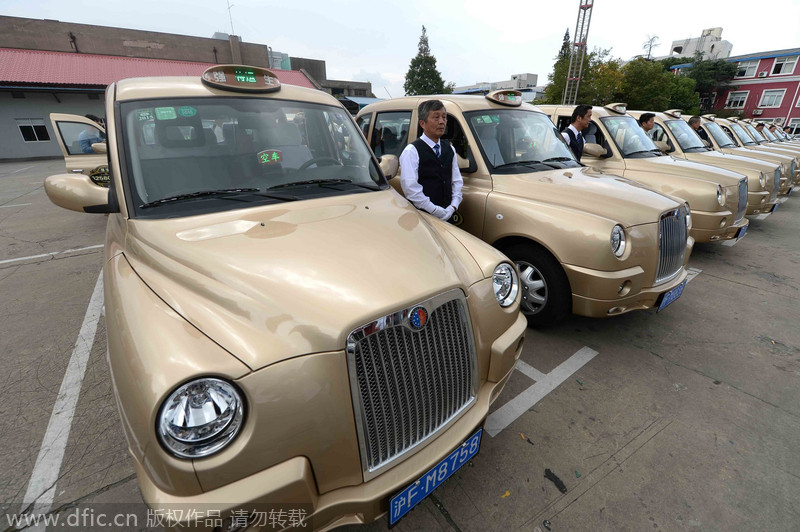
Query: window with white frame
[
  {"x": 784, "y": 65},
  {"x": 33, "y": 130},
  {"x": 747, "y": 69},
  {"x": 772, "y": 98},
  {"x": 794, "y": 123},
  {"x": 736, "y": 99}
]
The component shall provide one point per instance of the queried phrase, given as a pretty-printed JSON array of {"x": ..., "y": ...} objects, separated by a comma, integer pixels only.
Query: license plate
[
  {"x": 741, "y": 232},
  {"x": 407, "y": 499},
  {"x": 775, "y": 207},
  {"x": 671, "y": 296},
  {"x": 791, "y": 189}
]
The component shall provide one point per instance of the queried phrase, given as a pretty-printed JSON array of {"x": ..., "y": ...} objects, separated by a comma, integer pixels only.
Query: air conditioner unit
[
  {"x": 762, "y": 74},
  {"x": 779, "y": 121},
  {"x": 757, "y": 112}
]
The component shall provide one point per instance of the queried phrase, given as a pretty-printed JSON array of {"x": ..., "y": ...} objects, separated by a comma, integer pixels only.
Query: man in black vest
[
  {"x": 428, "y": 174},
  {"x": 580, "y": 119}
]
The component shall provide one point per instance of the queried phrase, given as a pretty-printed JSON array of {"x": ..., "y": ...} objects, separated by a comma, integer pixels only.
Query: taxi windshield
[
  {"x": 719, "y": 135},
  {"x": 519, "y": 140},
  {"x": 629, "y": 137},
  {"x": 755, "y": 134},
  {"x": 769, "y": 134},
  {"x": 197, "y": 155},
  {"x": 685, "y": 135},
  {"x": 743, "y": 135}
]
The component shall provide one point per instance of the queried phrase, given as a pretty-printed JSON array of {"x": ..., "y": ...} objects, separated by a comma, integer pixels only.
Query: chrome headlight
[
  {"x": 200, "y": 418},
  {"x": 618, "y": 240},
  {"x": 721, "y": 196},
  {"x": 505, "y": 284},
  {"x": 688, "y": 216},
  {"x": 762, "y": 179}
]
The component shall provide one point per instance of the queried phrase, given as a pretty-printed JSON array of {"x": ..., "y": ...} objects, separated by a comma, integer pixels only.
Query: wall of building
[
  {"x": 341, "y": 88},
  {"x": 39, "y": 106},
  {"x": 315, "y": 67},
  {"x": 52, "y": 35}
]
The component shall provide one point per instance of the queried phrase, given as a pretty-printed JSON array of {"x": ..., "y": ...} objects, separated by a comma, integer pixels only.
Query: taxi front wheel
[{"x": 545, "y": 290}]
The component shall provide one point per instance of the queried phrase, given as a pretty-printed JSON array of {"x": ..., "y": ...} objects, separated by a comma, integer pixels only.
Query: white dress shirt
[
  {"x": 574, "y": 132},
  {"x": 409, "y": 180}
]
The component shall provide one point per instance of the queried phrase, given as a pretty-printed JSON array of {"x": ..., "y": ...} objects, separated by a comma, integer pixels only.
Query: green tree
[
  {"x": 422, "y": 76},
  {"x": 601, "y": 79},
  {"x": 646, "y": 85},
  {"x": 682, "y": 95},
  {"x": 712, "y": 75}
]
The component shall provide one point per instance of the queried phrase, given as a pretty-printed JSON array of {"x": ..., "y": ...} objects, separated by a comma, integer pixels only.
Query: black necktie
[{"x": 436, "y": 150}]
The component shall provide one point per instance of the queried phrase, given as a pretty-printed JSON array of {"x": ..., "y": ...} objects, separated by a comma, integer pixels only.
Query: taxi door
[{"x": 75, "y": 135}]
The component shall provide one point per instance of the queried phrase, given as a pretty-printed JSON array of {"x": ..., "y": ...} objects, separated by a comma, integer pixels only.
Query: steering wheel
[{"x": 317, "y": 160}]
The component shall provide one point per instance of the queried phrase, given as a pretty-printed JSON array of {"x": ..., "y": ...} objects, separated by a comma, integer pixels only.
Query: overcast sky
[{"x": 375, "y": 41}]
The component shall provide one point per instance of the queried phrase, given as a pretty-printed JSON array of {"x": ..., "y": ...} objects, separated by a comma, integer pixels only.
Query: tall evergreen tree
[
  {"x": 422, "y": 76},
  {"x": 566, "y": 47}
]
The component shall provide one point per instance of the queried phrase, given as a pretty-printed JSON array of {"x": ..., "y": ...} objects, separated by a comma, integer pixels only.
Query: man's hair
[
  {"x": 426, "y": 107},
  {"x": 646, "y": 118},
  {"x": 579, "y": 112},
  {"x": 760, "y": 124},
  {"x": 694, "y": 120},
  {"x": 787, "y": 128}
]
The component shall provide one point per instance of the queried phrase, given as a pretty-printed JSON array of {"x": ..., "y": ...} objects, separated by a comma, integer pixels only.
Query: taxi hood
[
  {"x": 589, "y": 190},
  {"x": 670, "y": 165},
  {"x": 273, "y": 282}
]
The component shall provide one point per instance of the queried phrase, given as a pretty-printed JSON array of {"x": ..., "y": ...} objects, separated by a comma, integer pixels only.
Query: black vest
[
  {"x": 436, "y": 173},
  {"x": 577, "y": 148}
]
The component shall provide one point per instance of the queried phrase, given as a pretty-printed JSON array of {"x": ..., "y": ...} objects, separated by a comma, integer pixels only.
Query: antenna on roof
[
  {"x": 387, "y": 92},
  {"x": 229, "y": 16}
]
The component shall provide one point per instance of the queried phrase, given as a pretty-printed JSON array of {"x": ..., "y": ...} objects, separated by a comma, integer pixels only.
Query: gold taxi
[
  {"x": 724, "y": 139},
  {"x": 285, "y": 331},
  {"x": 616, "y": 143},
  {"x": 587, "y": 242},
  {"x": 674, "y": 136}
]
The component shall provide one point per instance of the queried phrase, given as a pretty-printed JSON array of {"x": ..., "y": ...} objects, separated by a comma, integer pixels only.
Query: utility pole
[
  {"x": 578, "y": 52},
  {"x": 230, "y": 17}
]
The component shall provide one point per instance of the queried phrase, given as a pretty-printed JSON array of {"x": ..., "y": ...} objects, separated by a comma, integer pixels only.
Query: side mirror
[
  {"x": 593, "y": 150},
  {"x": 100, "y": 147},
  {"x": 77, "y": 192},
  {"x": 389, "y": 165},
  {"x": 662, "y": 146},
  {"x": 468, "y": 164}
]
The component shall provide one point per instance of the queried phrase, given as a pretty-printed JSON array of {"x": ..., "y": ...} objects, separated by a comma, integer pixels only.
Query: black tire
[{"x": 546, "y": 295}]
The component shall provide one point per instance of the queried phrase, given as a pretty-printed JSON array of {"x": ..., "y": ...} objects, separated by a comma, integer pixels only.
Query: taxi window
[
  {"x": 182, "y": 147},
  {"x": 743, "y": 135},
  {"x": 79, "y": 137},
  {"x": 723, "y": 138},
  {"x": 363, "y": 123},
  {"x": 390, "y": 134},
  {"x": 658, "y": 133},
  {"x": 629, "y": 137},
  {"x": 685, "y": 135}
]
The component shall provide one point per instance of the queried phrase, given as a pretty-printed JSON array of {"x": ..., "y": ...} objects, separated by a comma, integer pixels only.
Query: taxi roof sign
[
  {"x": 241, "y": 78},
  {"x": 673, "y": 112},
  {"x": 711, "y": 117},
  {"x": 620, "y": 108},
  {"x": 508, "y": 97}
]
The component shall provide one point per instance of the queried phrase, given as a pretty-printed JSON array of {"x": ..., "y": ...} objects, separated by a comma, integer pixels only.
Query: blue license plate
[
  {"x": 404, "y": 501},
  {"x": 671, "y": 296},
  {"x": 741, "y": 232},
  {"x": 791, "y": 189},
  {"x": 775, "y": 207}
]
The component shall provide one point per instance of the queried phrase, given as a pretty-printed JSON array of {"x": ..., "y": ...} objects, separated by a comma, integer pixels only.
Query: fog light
[
  {"x": 616, "y": 310},
  {"x": 722, "y": 222},
  {"x": 625, "y": 288}
]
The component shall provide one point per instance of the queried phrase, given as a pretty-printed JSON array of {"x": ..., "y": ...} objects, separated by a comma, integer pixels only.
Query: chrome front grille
[
  {"x": 742, "y": 207},
  {"x": 407, "y": 381},
  {"x": 777, "y": 185},
  {"x": 671, "y": 244}
]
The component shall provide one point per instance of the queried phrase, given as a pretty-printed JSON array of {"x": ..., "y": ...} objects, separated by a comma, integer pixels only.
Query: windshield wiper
[
  {"x": 642, "y": 151},
  {"x": 558, "y": 159},
  {"x": 192, "y": 195},
  {"x": 696, "y": 148},
  {"x": 313, "y": 182},
  {"x": 517, "y": 163}
]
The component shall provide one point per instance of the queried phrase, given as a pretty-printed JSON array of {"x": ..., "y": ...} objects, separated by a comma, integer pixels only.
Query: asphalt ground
[{"x": 684, "y": 420}]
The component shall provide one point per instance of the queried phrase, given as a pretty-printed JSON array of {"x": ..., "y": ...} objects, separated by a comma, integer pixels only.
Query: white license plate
[
  {"x": 671, "y": 296},
  {"x": 404, "y": 501}
]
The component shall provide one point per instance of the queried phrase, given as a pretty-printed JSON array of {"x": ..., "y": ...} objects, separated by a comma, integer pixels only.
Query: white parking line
[
  {"x": 691, "y": 273},
  {"x": 763, "y": 216},
  {"x": 17, "y": 205},
  {"x": 42, "y": 484},
  {"x": 53, "y": 254},
  {"x": 732, "y": 242},
  {"x": 533, "y": 373},
  {"x": 506, "y": 414}
]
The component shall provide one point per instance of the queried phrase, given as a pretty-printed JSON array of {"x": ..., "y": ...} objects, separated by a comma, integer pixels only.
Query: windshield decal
[{"x": 166, "y": 113}]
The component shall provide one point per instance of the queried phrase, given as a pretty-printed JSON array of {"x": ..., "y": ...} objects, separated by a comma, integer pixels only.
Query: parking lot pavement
[{"x": 684, "y": 420}]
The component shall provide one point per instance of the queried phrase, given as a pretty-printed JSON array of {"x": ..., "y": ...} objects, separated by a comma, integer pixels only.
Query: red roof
[{"x": 60, "y": 68}]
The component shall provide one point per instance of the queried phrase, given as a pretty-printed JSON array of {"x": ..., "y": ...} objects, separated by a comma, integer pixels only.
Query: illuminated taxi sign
[
  {"x": 710, "y": 117},
  {"x": 673, "y": 112},
  {"x": 620, "y": 108},
  {"x": 241, "y": 78},
  {"x": 506, "y": 97}
]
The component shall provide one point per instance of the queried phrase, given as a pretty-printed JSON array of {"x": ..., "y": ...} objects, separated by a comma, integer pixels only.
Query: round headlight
[
  {"x": 505, "y": 284},
  {"x": 688, "y": 215},
  {"x": 762, "y": 180},
  {"x": 720, "y": 196},
  {"x": 618, "y": 240},
  {"x": 200, "y": 418}
]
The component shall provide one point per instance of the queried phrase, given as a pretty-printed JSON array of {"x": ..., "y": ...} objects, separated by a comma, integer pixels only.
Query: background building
[
  {"x": 710, "y": 43},
  {"x": 766, "y": 87},
  {"x": 525, "y": 83}
]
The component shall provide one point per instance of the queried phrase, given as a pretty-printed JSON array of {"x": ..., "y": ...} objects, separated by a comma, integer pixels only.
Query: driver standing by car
[
  {"x": 580, "y": 119},
  {"x": 694, "y": 123},
  {"x": 429, "y": 177},
  {"x": 90, "y": 135}
]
